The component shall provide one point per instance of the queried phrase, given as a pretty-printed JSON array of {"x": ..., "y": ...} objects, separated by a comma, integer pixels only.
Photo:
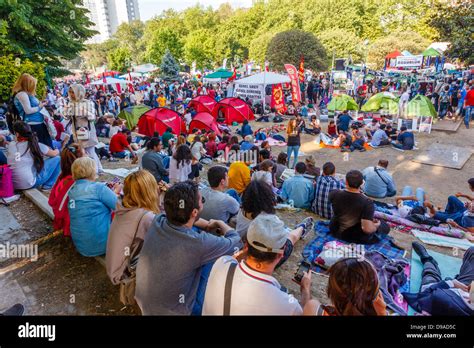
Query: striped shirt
[{"x": 324, "y": 185}]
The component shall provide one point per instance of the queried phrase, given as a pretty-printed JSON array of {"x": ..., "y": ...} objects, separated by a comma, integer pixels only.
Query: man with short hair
[
  {"x": 248, "y": 287},
  {"x": 353, "y": 220},
  {"x": 380, "y": 137},
  {"x": 166, "y": 137},
  {"x": 324, "y": 185},
  {"x": 119, "y": 146},
  {"x": 378, "y": 182},
  {"x": 219, "y": 204},
  {"x": 298, "y": 188},
  {"x": 177, "y": 253},
  {"x": 405, "y": 140}
]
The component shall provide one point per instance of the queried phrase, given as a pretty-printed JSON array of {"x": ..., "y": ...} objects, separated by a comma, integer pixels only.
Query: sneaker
[
  {"x": 307, "y": 225},
  {"x": 14, "y": 311}
]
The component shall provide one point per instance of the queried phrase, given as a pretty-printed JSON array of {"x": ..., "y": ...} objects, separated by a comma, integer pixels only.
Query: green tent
[
  {"x": 431, "y": 52},
  {"x": 220, "y": 74},
  {"x": 383, "y": 101},
  {"x": 132, "y": 114},
  {"x": 421, "y": 106},
  {"x": 342, "y": 102}
]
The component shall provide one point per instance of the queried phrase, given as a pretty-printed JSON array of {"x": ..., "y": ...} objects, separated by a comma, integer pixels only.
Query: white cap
[{"x": 267, "y": 233}]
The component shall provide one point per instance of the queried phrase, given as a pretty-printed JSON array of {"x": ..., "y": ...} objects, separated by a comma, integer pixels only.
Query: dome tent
[
  {"x": 158, "y": 120},
  {"x": 204, "y": 120},
  {"x": 230, "y": 110},
  {"x": 132, "y": 114},
  {"x": 203, "y": 103}
]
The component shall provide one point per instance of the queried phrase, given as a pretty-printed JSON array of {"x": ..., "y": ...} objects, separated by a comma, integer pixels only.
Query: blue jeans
[
  {"x": 295, "y": 150},
  {"x": 50, "y": 172},
  {"x": 233, "y": 193},
  {"x": 454, "y": 210},
  {"x": 199, "y": 302},
  {"x": 443, "y": 110},
  {"x": 122, "y": 154},
  {"x": 468, "y": 115},
  {"x": 420, "y": 193}
]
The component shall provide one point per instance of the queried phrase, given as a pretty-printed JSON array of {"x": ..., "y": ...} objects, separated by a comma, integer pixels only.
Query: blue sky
[{"x": 150, "y": 8}]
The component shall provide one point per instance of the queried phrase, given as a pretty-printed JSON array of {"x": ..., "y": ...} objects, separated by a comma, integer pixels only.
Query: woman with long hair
[
  {"x": 58, "y": 199},
  {"x": 353, "y": 289},
  {"x": 180, "y": 164},
  {"x": 30, "y": 108},
  {"x": 133, "y": 218},
  {"x": 81, "y": 112},
  {"x": 26, "y": 159},
  {"x": 293, "y": 141}
]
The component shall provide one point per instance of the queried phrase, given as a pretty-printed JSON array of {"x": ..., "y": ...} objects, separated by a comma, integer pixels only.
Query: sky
[{"x": 151, "y": 8}]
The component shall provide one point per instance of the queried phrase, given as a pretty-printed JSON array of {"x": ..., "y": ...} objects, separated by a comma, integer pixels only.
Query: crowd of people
[{"x": 184, "y": 239}]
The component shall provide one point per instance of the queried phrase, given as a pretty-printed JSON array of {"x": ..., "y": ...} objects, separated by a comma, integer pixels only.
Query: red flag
[
  {"x": 301, "y": 71},
  {"x": 104, "y": 80},
  {"x": 234, "y": 75},
  {"x": 267, "y": 66},
  {"x": 119, "y": 88},
  {"x": 130, "y": 85},
  {"x": 87, "y": 79},
  {"x": 295, "y": 86},
  {"x": 278, "y": 102}
]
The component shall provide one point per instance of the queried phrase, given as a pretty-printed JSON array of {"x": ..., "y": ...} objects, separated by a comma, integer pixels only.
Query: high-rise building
[{"x": 107, "y": 15}]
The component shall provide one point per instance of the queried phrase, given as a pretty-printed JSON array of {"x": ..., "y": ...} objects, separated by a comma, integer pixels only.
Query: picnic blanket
[
  {"x": 434, "y": 239},
  {"x": 314, "y": 248},
  {"x": 122, "y": 172},
  {"x": 444, "y": 231},
  {"x": 271, "y": 142},
  {"x": 448, "y": 265}
]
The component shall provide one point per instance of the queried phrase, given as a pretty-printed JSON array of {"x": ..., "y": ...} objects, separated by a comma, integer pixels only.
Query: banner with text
[
  {"x": 409, "y": 61},
  {"x": 278, "y": 101},
  {"x": 245, "y": 90},
  {"x": 295, "y": 85}
]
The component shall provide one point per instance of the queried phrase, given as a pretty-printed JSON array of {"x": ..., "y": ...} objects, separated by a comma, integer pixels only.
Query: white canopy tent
[
  {"x": 246, "y": 85},
  {"x": 132, "y": 74},
  {"x": 109, "y": 81},
  {"x": 145, "y": 68}
]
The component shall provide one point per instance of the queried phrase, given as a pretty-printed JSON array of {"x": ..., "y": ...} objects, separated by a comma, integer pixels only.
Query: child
[{"x": 332, "y": 129}]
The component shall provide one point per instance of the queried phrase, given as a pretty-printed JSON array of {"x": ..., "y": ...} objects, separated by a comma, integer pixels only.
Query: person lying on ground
[
  {"x": 254, "y": 289},
  {"x": 298, "y": 189},
  {"x": 353, "y": 219},
  {"x": 221, "y": 203},
  {"x": 378, "y": 181},
  {"x": 440, "y": 297},
  {"x": 165, "y": 286},
  {"x": 353, "y": 289}
]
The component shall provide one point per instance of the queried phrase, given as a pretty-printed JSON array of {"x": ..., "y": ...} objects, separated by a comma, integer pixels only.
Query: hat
[{"x": 267, "y": 233}]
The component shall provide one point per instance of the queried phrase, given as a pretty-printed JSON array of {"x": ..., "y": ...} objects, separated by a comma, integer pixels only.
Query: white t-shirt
[
  {"x": 242, "y": 224},
  {"x": 253, "y": 293},
  {"x": 22, "y": 164},
  {"x": 263, "y": 175},
  {"x": 114, "y": 130},
  {"x": 181, "y": 174},
  {"x": 197, "y": 149}
]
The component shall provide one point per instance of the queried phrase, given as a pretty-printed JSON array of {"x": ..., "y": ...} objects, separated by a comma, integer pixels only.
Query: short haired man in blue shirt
[
  {"x": 380, "y": 137},
  {"x": 298, "y": 188},
  {"x": 378, "y": 182},
  {"x": 405, "y": 140},
  {"x": 343, "y": 121}
]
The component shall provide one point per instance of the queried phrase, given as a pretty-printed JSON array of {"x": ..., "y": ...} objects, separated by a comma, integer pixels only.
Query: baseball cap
[{"x": 267, "y": 233}]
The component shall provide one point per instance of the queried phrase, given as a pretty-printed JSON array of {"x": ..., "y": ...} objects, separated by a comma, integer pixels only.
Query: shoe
[
  {"x": 421, "y": 251},
  {"x": 14, "y": 311},
  {"x": 307, "y": 225},
  {"x": 362, "y": 150}
]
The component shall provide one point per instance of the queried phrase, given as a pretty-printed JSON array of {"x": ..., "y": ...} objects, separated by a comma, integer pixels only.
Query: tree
[
  {"x": 44, "y": 32},
  {"x": 128, "y": 36},
  {"x": 259, "y": 46},
  {"x": 169, "y": 68},
  {"x": 11, "y": 68},
  {"x": 158, "y": 40},
  {"x": 402, "y": 40},
  {"x": 199, "y": 48},
  {"x": 455, "y": 24},
  {"x": 119, "y": 59},
  {"x": 287, "y": 48},
  {"x": 96, "y": 55},
  {"x": 343, "y": 43}
]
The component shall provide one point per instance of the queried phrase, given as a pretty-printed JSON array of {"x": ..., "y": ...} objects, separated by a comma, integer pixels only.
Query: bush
[{"x": 11, "y": 69}]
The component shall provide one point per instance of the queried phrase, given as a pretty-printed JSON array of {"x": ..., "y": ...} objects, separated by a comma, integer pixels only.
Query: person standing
[
  {"x": 293, "y": 141},
  {"x": 469, "y": 105}
]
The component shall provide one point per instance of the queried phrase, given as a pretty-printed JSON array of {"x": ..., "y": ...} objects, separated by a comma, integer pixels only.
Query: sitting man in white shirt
[{"x": 248, "y": 287}]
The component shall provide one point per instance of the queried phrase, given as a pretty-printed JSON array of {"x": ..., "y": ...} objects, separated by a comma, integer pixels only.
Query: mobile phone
[
  {"x": 302, "y": 269},
  {"x": 112, "y": 183}
]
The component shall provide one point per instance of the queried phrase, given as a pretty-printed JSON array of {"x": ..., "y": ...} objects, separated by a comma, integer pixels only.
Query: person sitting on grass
[
  {"x": 246, "y": 129},
  {"x": 353, "y": 219},
  {"x": 264, "y": 172},
  {"x": 358, "y": 140},
  {"x": 247, "y": 144},
  {"x": 353, "y": 289},
  {"x": 380, "y": 137},
  {"x": 90, "y": 207},
  {"x": 438, "y": 297},
  {"x": 325, "y": 183},
  {"x": 391, "y": 132},
  {"x": 120, "y": 146},
  {"x": 332, "y": 129},
  {"x": 378, "y": 182},
  {"x": 314, "y": 126},
  {"x": 239, "y": 176},
  {"x": 311, "y": 169},
  {"x": 457, "y": 213},
  {"x": 254, "y": 289},
  {"x": 298, "y": 189},
  {"x": 371, "y": 128},
  {"x": 343, "y": 121},
  {"x": 178, "y": 253},
  {"x": 220, "y": 203},
  {"x": 405, "y": 140},
  {"x": 281, "y": 165}
]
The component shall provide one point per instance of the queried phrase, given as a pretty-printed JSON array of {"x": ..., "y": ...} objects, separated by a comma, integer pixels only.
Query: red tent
[
  {"x": 203, "y": 103},
  {"x": 204, "y": 120},
  {"x": 393, "y": 55},
  {"x": 232, "y": 110},
  {"x": 158, "y": 119}
]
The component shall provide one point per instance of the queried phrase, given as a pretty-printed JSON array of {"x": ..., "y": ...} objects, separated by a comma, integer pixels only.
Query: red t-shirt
[
  {"x": 469, "y": 99},
  {"x": 118, "y": 143}
]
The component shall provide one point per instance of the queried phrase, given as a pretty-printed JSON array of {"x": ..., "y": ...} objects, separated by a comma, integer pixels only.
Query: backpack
[{"x": 12, "y": 114}]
